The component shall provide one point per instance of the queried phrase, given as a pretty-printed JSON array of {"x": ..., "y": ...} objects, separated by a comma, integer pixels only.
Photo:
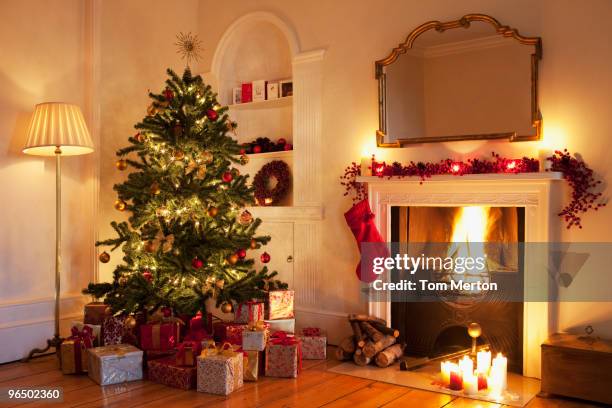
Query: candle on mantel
[
  {"x": 483, "y": 361},
  {"x": 470, "y": 383},
  {"x": 543, "y": 154},
  {"x": 366, "y": 165}
]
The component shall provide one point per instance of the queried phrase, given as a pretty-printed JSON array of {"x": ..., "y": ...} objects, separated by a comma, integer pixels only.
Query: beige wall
[{"x": 575, "y": 95}]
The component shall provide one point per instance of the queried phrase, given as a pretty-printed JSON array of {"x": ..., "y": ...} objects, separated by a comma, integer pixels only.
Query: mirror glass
[{"x": 467, "y": 82}]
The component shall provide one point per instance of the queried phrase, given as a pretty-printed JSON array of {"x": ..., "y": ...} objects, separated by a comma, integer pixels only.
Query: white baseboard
[{"x": 334, "y": 323}]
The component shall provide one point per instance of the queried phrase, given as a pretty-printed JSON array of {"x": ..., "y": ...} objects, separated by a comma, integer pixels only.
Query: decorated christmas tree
[{"x": 188, "y": 234}]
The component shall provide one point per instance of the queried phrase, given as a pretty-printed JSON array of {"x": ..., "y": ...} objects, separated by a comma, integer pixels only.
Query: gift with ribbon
[
  {"x": 96, "y": 331},
  {"x": 161, "y": 332},
  {"x": 283, "y": 356},
  {"x": 95, "y": 313},
  {"x": 200, "y": 327},
  {"x": 314, "y": 343},
  {"x": 255, "y": 336},
  {"x": 187, "y": 352},
  {"x": 115, "y": 364},
  {"x": 249, "y": 312},
  {"x": 113, "y": 330},
  {"x": 228, "y": 332},
  {"x": 253, "y": 364},
  {"x": 165, "y": 371},
  {"x": 279, "y": 304},
  {"x": 220, "y": 369},
  {"x": 285, "y": 325},
  {"x": 73, "y": 350}
]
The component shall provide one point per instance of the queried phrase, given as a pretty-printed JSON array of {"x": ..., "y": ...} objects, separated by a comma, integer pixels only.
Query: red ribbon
[
  {"x": 195, "y": 346},
  {"x": 311, "y": 331},
  {"x": 281, "y": 338},
  {"x": 249, "y": 305},
  {"x": 80, "y": 338}
]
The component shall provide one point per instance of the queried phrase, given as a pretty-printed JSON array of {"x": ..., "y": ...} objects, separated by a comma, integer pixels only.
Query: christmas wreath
[{"x": 278, "y": 170}]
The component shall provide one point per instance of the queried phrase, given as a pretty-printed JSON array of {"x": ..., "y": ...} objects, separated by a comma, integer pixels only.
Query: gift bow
[
  {"x": 283, "y": 339},
  {"x": 311, "y": 331},
  {"x": 84, "y": 336},
  {"x": 226, "y": 349},
  {"x": 182, "y": 348},
  {"x": 162, "y": 316},
  {"x": 259, "y": 325}
]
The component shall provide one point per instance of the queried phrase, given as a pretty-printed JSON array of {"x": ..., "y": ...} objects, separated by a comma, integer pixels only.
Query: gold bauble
[
  {"x": 220, "y": 283},
  {"x": 123, "y": 280},
  {"x": 139, "y": 137},
  {"x": 213, "y": 211},
  {"x": 245, "y": 218},
  {"x": 474, "y": 330},
  {"x": 155, "y": 188},
  {"x": 149, "y": 246},
  {"x": 207, "y": 157},
  {"x": 232, "y": 259},
  {"x": 227, "y": 308},
  {"x": 244, "y": 159},
  {"x": 120, "y": 205},
  {"x": 235, "y": 172},
  {"x": 253, "y": 244},
  {"x": 121, "y": 164},
  {"x": 176, "y": 252},
  {"x": 104, "y": 257},
  {"x": 179, "y": 155},
  {"x": 108, "y": 311},
  {"x": 130, "y": 322}
]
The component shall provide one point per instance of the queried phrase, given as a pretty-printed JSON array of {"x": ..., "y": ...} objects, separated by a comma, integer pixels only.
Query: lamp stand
[{"x": 56, "y": 341}]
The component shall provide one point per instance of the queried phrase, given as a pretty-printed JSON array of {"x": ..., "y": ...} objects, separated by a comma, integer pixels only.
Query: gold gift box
[{"x": 69, "y": 352}]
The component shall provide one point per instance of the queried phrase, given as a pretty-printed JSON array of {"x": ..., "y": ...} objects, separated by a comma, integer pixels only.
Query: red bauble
[
  {"x": 257, "y": 149},
  {"x": 288, "y": 146},
  {"x": 227, "y": 176},
  {"x": 197, "y": 263},
  {"x": 242, "y": 151},
  {"x": 147, "y": 275},
  {"x": 265, "y": 257},
  {"x": 281, "y": 141},
  {"x": 212, "y": 114},
  {"x": 166, "y": 311},
  {"x": 168, "y": 94},
  {"x": 241, "y": 253}
]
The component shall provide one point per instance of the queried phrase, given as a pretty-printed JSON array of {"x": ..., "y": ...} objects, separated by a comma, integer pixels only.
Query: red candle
[
  {"x": 456, "y": 381},
  {"x": 482, "y": 381}
]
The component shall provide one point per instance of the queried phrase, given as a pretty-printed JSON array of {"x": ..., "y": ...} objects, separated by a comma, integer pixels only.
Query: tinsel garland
[{"x": 577, "y": 174}]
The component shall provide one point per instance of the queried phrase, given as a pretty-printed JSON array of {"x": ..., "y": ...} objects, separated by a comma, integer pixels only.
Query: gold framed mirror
[{"x": 467, "y": 79}]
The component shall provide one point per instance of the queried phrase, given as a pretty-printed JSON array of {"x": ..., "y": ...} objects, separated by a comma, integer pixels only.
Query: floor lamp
[{"x": 57, "y": 129}]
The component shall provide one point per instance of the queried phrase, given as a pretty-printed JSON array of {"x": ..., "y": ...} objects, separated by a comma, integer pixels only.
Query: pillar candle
[
  {"x": 483, "y": 361},
  {"x": 470, "y": 383},
  {"x": 482, "y": 381},
  {"x": 466, "y": 365},
  {"x": 456, "y": 380},
  {"x": 500, "y": 364},
  {"x": 542, "y": 155},
  {"x": 446, "y": 367},
  {"x": 366, "y": 164}
]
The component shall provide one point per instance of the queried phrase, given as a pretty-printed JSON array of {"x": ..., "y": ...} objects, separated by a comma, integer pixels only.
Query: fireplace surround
[{"x": 538, "y": 193}]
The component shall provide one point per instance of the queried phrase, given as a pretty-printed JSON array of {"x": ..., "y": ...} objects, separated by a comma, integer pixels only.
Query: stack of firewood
[{"x": 372, "y": 341}]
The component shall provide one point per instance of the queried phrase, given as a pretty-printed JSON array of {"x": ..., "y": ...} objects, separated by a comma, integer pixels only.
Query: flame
[{"x": 469, "y": 235}]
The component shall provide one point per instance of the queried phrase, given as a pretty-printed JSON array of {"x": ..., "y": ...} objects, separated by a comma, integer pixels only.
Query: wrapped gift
[
  {"x": 96, "y": 331},
  {"x": 151, "y": 355},
  {"x": 187, "y": 352},
  {"x": 279, "y": 304},
  {"x": 228, "y": 332},
  {"x": 113, "y": 330},
  {"x": 159, "y": 336},
  {"x": 285, "y": 325},
  {"x": 199, "y": 327},
  {"x": 95, "y": 313},
  {"x": 283, "y": 356},
  {"x": 253, "y": 364},
  {"x": 314, "y": 344},
  {"x": 115, "y": 364},
  {"x": 249, "y": 312},
  {"x": 220, "y": 370},
  {"x": 165, "y": 371},
  {"x": 73, "y": 350},
  {"x": 255, "y": 336}
]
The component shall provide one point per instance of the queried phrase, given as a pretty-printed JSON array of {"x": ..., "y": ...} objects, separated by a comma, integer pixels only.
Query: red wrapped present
[
  {"x": 113, "y": 329},
  {"x": 279, "y": 304},
  {"x": 314, "y": 344},
  {"x": 73, "y": 350},
  {"x": 95, "y": 313},
  {"x": 159, "y": 336},
  {"x": 249, "y": 312},
  {"x": 151, "y": 355},
  {"x": 283, "y": 356},
  {"x": 228, "y": 332},
  {"x": 166, "y": 371},
  {"x": 187, "y": 352},
  {"x": 200, "y": 328}
]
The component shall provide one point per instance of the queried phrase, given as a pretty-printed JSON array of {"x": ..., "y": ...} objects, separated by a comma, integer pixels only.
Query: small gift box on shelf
[
  {"x": 187, "y": 352},
  {"x": 165, "y": 371},
  {"x": 284, "y": 325},
  {"x": 255, "y": 336},
  {"x": 253, "y": 365},
  {"x": 159, "y": 336},
  {"x": 279, "y": 304},
  {"x": 96, "y": 331},
  {"x": 314, "y": 344},
  {"x": 113, "y": 330},
  {"x": 95, "y": 313},
  {"x": 115, "y": 364},
  {"x": 220, "y": 370},
  {"x": 73, "y": 351},
  {"x": 283, "y": 356},
  {"x": 249, "y": 312},
  {"x": 228, "y": 332}
]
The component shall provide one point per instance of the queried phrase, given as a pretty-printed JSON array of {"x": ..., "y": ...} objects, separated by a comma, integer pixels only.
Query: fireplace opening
[{"x": 431, "y": 329}]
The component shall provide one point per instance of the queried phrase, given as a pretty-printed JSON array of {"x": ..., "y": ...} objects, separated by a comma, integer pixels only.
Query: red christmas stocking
[{"x": 360, "y": 219}]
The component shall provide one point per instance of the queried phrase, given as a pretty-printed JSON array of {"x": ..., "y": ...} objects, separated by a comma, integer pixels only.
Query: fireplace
[
  {"x": 528, "y": 203},
  {"x": 494, "y": 232}
]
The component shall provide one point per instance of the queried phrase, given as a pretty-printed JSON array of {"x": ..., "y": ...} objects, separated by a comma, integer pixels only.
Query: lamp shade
[{"x": 58, "y": 125}]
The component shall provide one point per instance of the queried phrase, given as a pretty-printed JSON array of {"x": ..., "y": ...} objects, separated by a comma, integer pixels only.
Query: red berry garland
[{"x": 280, "y": 171}]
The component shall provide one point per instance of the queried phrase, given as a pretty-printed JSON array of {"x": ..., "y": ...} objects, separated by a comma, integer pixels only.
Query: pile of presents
[{"x": 200, "y": 351}]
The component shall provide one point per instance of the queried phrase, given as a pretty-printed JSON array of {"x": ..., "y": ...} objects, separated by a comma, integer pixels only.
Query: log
[
  {"x": 348, "y": 345},
  {"x": 385, "y": 329},
  {"x": 389, "y": 355},
  {"x": 372, "y": 348},
  {"x": 360, "y": 337},
  {"x": 360, "y": 358},
  {"x": 366, "y": 318},
  {"x": 342, "y": 355},
  {"x": 372, "y": 333}
]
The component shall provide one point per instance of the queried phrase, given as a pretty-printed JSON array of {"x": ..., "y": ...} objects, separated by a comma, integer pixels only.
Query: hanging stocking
[{"x": 360, "y": 219}]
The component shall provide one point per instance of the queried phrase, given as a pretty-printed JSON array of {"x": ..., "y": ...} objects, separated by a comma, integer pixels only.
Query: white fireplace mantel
[{"x": 539, "y": 193}]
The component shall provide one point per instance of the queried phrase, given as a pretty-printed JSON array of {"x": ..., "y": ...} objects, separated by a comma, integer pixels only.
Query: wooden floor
[{"x": 315, "y": 387}]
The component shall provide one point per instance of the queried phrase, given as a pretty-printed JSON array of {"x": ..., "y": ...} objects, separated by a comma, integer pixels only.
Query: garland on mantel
[{"x": 577, "y": 174}]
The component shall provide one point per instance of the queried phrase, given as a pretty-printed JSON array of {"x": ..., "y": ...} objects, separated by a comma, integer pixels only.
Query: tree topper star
[{"x": 189, "y": 46}]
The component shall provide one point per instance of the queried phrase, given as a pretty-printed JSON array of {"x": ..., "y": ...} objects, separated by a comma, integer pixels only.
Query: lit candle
[
  {"x": 543, "y": 154},
  {"x": 456, "y": 380},
  {"x": 466, "y": 365},
  {"x": 482, "y": 381},
  {"x": 446, "y": 367},
  {"x": 483, "y": 361},
  {"x": 500, "y": 366},
  {"x": 366, "y": 166},
  {"x": 470, "y": 384}
]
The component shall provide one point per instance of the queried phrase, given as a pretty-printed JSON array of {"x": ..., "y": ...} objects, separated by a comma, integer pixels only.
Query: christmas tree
[{"x": 188, "y": 235}]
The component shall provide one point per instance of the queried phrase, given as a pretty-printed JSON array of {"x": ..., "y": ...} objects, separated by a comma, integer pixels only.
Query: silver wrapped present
[
  {"x": 115, "y": 364},
  {"x": 285, "y": 325}
]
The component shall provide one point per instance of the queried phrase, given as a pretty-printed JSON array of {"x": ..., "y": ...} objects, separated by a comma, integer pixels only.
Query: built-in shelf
[
  {"x": 271, "y": 155},
  {"x": 267, "y": 104},
  {"x": 287, "y": 213},
  {"x": 548, "y": 175}
]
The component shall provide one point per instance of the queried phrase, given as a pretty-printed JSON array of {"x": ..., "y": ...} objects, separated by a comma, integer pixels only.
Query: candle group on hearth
[{"x": 490, "y": 375}]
